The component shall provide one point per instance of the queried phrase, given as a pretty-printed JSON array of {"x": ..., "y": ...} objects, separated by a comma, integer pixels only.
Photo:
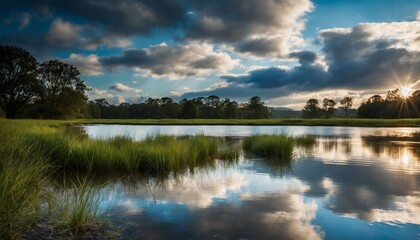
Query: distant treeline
[
  {"x": 201, "y": 107},
  {"x": 53, "y": 89},
  {"x": 393, "y": 106}
]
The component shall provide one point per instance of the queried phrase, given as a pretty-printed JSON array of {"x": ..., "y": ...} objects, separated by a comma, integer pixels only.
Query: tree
[
  {"x": 394, "y": 95},
  {"x": 64, "y": 92},
  {"x": 346, "y": 102},
  {"x": 328, "y": 105},
  {"x": 189, "y": 109},
  {"x": 311, "y": 109},
  {"x": 375, "y": 99},
  {"x": 256, "y": 108},
  {"x": 18, "y": 79}
]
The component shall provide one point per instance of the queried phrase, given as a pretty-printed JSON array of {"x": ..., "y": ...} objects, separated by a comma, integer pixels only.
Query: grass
[
  {"x": 23, "y": 179},
  {"x": 33, "y": 152},
  {"x": 155, "y": 154},
  {"x": 280, "y": 146},
  {"x": 26, "y": 188},
  {"x": 356, "y": 122},
  {"x": 270, "y": 146}
]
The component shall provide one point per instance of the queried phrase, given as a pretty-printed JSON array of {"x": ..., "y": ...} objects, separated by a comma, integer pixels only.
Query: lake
[{"x": 355, "y": 183}]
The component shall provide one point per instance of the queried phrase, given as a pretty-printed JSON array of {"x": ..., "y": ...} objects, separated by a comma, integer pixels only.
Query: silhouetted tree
[
  {"x": 189, "y": 109},
  {"x": 18, "y": 79},
  {"x": 328, "y": 105},
  {"x": 346, "y": 102},
  {"x": 375, "y": 99},
  {"x": 394, "y": 95},
  {"x": 311, "y": 109},
  {"x": 256, "y": 108}
]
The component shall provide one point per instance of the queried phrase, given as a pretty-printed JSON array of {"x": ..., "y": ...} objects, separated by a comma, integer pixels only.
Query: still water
[{"x": 355, "y": 183}]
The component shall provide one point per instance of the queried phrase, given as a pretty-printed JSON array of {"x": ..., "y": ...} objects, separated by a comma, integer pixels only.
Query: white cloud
[
  {"x": 174, "y": 62},
  {"x": 119, "y": 87},
  {"x": 64, "y": 34},
  {"x": 88, "y": 65},
  {"x": 179, "y": 91},
  {"x": 111, "y": 98}
]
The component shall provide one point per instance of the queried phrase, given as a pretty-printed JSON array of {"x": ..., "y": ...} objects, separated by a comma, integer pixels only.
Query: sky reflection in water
[{"x": 348, "y": 186}]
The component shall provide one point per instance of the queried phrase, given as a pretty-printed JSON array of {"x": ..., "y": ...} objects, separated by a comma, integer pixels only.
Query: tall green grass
[
  {"x": 272, "y": 146},
  {"x": 23, "y": 179},
  {"x": 279, "y": 146},
  {"x": 26, "y": 189},
  {"x": 76, "y": 209}
]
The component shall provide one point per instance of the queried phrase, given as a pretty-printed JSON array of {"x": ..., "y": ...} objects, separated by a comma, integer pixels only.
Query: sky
[{"x": 285, "y": 51}]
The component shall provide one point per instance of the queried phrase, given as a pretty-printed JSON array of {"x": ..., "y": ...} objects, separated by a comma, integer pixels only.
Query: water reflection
[{"x": 354, "y": 183}]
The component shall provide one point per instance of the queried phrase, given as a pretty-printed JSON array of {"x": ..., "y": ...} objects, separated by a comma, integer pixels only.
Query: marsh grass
[
  {"x": 270, "y": 146},
  {"x": 30, "y": 151},
  {"x": 23, "y": 179},
  {"x": 76, "y": 210}
]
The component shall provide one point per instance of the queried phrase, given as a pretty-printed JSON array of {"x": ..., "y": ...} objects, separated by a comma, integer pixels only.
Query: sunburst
[{"x": 406, "y": 91}]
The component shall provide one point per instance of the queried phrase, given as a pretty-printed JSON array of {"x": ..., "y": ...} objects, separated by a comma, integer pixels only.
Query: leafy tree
[
  {"x": 328, "y": 105},
  {"x": 346, "y": 102},
  {"x": 64, "y": 92},
  {"x": 18, "y": 79},
  {"x": 256, "y": 108},
  {"x": 189, "y": 109},
  {"x": 311, "y": 109}
]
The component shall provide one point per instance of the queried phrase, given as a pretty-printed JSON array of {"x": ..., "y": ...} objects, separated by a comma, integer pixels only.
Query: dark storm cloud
[
  {"x": 304, "y": 57},
  {"x": 261, "y": 47},
  {"x": 122, "y": 17},
  {"x": 367, "y": 56}
]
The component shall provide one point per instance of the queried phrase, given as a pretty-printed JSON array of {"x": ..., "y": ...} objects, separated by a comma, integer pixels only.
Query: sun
[{"x": 406, "y": 91}]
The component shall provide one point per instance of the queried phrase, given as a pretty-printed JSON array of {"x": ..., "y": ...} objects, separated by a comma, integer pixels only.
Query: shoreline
[{"x": 345, "y": 122}]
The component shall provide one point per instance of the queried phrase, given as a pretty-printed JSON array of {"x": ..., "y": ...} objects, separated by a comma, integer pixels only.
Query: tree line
[
  {"x": 313, "y": 109},
  {"x": 210, "y": 107},
  {"x": 394, "y": 105}
]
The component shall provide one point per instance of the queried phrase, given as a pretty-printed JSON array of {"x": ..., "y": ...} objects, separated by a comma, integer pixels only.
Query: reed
[{"x": 270, "y": 146}]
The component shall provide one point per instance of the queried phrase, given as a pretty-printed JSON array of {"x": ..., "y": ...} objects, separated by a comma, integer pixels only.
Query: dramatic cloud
[
  {"x": 263, "y": 28},
  {"x": 118, "y": 17},
  {"x": 174, "y": 61},
  {"x": 119, "y": 87},
  {"x": 88, "y": 65},
  {"x": 371, "y": 55}
]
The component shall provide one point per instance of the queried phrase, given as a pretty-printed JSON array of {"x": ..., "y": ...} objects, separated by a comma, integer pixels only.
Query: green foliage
[
  {"x": 23, "y": 181},
  {"x": 64, "y": 93},
  {"x": 211, "y": 107}
]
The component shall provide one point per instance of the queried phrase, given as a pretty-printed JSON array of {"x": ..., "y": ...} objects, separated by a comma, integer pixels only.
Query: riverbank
[
  {"x": 354, "y": 122},
  {"x": 348, "y": 122}
]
